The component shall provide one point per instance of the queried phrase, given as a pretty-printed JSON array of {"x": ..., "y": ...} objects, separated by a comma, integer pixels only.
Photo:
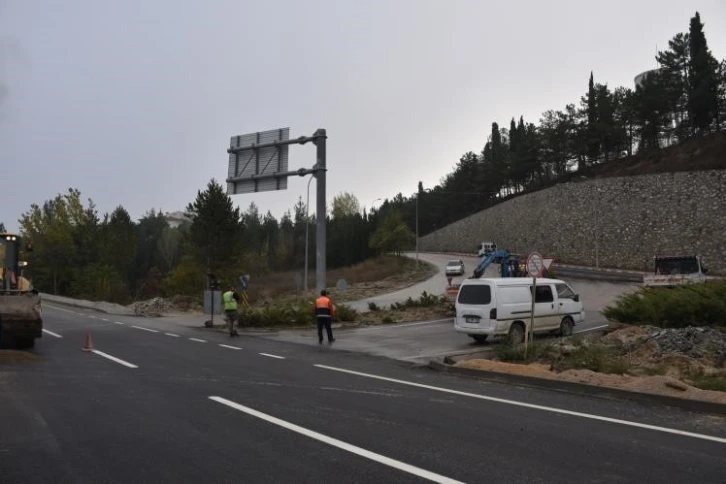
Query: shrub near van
[{"x": 502, "y": 306}]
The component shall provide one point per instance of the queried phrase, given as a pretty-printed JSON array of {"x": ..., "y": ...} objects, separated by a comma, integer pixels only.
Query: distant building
[
  {"x": 674, "y": 119},
  {"x": 640, "y": 78},
  {"x": 175, "y": 219}
]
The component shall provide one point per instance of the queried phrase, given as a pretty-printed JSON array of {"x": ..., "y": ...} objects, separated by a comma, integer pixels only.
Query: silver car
[{"x": 455, "y": 268}]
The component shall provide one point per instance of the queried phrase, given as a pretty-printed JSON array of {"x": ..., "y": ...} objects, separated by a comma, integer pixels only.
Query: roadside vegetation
[
  {"x": 677, "y": 307},
  {"x": 661, "y": 339}
]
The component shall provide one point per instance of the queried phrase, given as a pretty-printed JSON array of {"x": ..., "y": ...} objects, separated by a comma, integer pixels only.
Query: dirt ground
[
  {"x": 655, "y": 360},
  {"x": 659, "y": 384}
]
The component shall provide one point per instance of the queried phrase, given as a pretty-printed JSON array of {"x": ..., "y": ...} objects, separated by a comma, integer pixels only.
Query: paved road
[
  {"x": 165, "y": 403},
  {"x": 421, "y": 341}
]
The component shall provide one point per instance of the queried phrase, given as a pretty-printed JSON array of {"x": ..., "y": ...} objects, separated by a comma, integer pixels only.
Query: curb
[
  {"x": 699, "y": 406},
  {"x": 80, "y": 304}
]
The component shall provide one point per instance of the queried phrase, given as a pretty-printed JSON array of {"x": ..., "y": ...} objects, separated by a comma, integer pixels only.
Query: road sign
[
  {"x": 255, "y": 158},
  {"x": 547, "y": 263},
  {"x": 535, "y": 264}
]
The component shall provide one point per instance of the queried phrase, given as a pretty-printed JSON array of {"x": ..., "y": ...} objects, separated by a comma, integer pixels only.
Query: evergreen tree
[
  {"x": 216, "y": 231},
  {"x": 593, "y": 138},
  {"x": 703, "y": 80}
]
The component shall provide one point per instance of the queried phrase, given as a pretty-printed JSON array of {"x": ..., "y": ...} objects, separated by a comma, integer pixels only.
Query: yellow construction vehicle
[{"x": 21, "y": 314}]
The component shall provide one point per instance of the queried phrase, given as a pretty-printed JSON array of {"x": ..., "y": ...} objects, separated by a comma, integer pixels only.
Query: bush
[
  {"x": 425, "y": 301},
  {"x": 345, "y": 313},
  {"x": 596, "y": 357},
  {"x": 298, "y": 313},
  {"x": 291, "y": 314},
  {"x": 678, "y": 307}
]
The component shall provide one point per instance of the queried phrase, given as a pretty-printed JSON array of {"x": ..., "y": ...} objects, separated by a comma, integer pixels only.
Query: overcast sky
[{"x": 133, "y": 102}]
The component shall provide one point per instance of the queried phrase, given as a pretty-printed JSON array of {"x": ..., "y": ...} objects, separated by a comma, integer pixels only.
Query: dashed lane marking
[
  {"x": 52, "y": 333},
  {"x": 273, "y": 356},
  {"x": 230, "y": 347},
  {"x": 113, "y": 358},
  {"x": 145, "y": 329}
]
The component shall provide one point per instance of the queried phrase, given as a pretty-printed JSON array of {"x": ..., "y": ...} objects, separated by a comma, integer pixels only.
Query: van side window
[
  {"x": 475, "y": 294},
  {"x": 543, "y": 294},
  {"x": 564, "y": 291}
]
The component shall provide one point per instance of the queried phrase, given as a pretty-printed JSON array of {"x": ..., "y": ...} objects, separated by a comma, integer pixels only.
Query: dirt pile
[
  {"x": 656, "y": 343},
  {"x": 159, "y": 306},
  {"x": 682, "y": 362}
]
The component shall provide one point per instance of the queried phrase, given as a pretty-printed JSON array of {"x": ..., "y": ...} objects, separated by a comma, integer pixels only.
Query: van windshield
[{"x": 475, "y": 294}]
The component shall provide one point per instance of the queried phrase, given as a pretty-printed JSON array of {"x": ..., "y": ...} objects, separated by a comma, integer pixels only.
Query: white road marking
[
  {"x": 52, "y": 333},
  {"x": 712, "y": 438},
  {"x": 93, "y": 317},
  {"x": 396, "y": 464},
  {"x": 273, "y": 356},
  {"x": 118, "y": 322},
  {"x": 230, "y": 347},
  {"x": 591, "y": 329},
  {"x": 395, "y": 326},
  {"x": 113, "y": 358},
  {"x": 103, "y": 319},
  {"x": 197, "y": 340},
  {"x": 172, "y": 335},
  {"x": 145, "y": 329}
]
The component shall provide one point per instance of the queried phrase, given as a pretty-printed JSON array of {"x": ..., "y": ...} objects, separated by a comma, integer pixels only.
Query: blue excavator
[{"x": 510, "y": 264}]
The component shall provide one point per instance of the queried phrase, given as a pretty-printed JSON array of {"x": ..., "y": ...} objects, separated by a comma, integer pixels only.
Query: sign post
[
  {"x": 535, "y": 267},
  {"x": 258, "y": 162}
]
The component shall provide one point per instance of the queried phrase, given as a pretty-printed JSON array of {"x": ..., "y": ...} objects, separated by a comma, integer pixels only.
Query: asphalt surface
[
  {"x": 424, "y": 340},
  {"x": 168, "y": 408}
]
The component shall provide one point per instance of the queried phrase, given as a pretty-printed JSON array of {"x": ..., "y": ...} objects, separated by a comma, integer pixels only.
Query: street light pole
[
  {"x": 417, "y": 262},
  {"x": 307, "y": 230}
]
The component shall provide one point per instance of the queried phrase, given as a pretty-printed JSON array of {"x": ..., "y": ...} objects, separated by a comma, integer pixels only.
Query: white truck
[
  {"x": 673, "y": 271},
  {"x": 486, "y": 248}
]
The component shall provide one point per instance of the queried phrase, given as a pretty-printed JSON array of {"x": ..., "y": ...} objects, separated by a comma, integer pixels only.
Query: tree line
[
  {"x": 80, "y": 254},
  {"x": 684, "y": 98}
]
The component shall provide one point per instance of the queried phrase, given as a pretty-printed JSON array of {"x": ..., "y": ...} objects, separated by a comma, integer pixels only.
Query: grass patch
[
  {"x": 579, "y": 356},
  {"x": 677, "y": 307},
  {"x": 290, "y": 314},
  {"x": 424, "y": 307},
  {"x": 514, "y": 352},
  {"x": 714, "y": 381},
  {"x": 385, "y": 270}
]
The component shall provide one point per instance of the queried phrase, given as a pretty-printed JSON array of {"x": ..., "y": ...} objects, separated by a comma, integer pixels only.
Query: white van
[{"x": 503, "y": 306}]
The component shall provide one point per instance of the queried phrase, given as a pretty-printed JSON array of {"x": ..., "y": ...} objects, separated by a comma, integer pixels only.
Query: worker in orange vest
[{"x": 324, "y": 314}]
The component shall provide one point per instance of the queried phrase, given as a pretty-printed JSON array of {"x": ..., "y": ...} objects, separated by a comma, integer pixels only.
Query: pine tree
[
  {"x": 593, "y": 140},
  {"x": 703, "y": 79}
]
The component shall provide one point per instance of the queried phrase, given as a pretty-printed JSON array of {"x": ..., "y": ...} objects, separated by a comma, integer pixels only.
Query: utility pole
[
  {"x": 417, "y": 262},
  {"x": 319, "y": 138}
]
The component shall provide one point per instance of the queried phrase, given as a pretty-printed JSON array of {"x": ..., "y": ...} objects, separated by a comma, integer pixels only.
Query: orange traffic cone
[{"x": 88, "y": 346}]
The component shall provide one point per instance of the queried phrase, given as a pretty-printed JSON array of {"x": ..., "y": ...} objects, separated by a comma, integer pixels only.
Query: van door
[
  {"x": 566, "y": 304},
  {"x": 546, "y": 315},
  {"x": 473, "y": 307}
]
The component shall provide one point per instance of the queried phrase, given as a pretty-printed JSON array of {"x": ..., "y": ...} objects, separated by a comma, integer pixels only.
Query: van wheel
[
  {"x": 516, "y": 333},
  {"x": 566, "y": 326},
  {"x": 479, "y": 338}
]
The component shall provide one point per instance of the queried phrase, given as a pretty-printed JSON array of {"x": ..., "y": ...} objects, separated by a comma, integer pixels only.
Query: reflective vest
[
  {"x": 229, "y": 302},
  {"x": 324, "y": 307}
]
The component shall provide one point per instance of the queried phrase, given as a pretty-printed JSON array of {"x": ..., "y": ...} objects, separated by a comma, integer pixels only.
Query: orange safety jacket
[{"x": 324, "y": 307}]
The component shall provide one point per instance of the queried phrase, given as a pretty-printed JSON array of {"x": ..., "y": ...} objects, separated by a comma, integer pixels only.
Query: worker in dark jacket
[{"x": 324, "y": 314}]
